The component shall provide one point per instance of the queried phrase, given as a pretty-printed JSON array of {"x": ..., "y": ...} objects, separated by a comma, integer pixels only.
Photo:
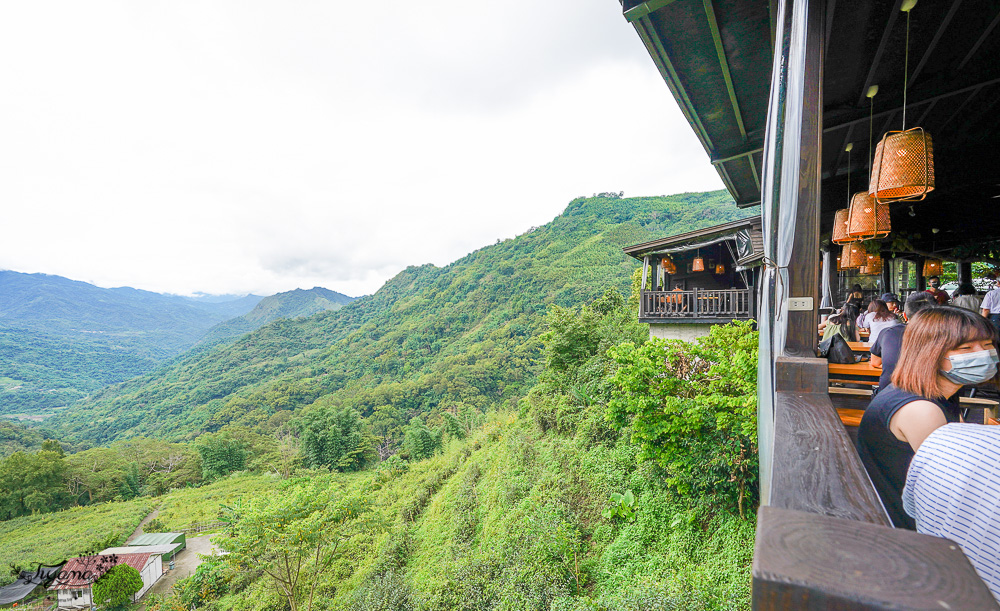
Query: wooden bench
[{"x": 852, "y": 417}]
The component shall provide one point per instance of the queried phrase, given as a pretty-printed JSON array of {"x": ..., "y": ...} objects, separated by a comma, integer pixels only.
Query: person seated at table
[
  {"x": 944, "y": 348},
  {"x": 892, "y": 302},
  {"x": 933, "y": 287},
  {"x": 885, "y": 350},
  {"x": 966, "y": 296},
  {"x": 953, "y": 491},
  {"x": 843, "y": 322},
  {"x": 878, "y": 319}
]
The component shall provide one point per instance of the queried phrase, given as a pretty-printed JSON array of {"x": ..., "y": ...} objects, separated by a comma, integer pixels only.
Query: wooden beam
[
  {"x": 713, "y": 25},
  {"x": 986, "y": 34},
  {"x": 642, "y": 10},
  {"x": 864, "y": 119},
  {"x": 886, "y": 35},
  {"x": 736, "y": 153},
  {"x": 657, "y": 51},
  {"x": 937, "y": 37},
  {"x": 807, "y": 561}
]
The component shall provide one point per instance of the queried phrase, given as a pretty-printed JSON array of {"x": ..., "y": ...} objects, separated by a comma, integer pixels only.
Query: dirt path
[
  {"x": 138, "y": 529},
  {"x": 184, "y": 565}
]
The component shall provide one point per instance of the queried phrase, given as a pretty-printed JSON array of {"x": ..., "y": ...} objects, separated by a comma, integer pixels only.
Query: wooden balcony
[{"x": 697, "y": 305}]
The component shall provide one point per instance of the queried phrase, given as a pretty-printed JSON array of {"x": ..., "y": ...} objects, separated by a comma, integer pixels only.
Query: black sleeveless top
[{"x": 886, "y": 458}]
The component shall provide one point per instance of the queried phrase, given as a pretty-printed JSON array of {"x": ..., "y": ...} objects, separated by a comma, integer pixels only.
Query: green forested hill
[
  {"x": 291, "y": 304},
  {"x": 61, "y": 339},
  {"x": 430, "y": 336}
]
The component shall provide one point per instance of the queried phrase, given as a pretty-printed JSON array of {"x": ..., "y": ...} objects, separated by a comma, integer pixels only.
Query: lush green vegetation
[
  {"x": 553, "y": 507},
  {"x": 61, "y": 340},
  {"x": 51, "y": 538},
  {"x": 291, "y": 304},
  {"x": 467, "y": 438},
  {"x": 431, "y": 336}
]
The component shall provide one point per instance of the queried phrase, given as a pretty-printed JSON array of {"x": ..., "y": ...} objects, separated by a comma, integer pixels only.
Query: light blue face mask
[{"x": 972, "y": 367}]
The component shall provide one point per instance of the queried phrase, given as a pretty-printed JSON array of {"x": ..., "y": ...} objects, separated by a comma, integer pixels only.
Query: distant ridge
[
  {"x": 61, "y": 339},
  {"x": 291, "y": 304}
]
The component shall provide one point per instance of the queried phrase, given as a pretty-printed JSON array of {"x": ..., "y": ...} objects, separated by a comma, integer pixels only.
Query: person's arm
[
  {"x": 915, "y": 421},
  {"x": 822, "y": 325},
  {"x": 876, "y": 362}
]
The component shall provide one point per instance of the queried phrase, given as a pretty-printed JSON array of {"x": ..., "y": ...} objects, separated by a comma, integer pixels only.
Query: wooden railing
[{"x": 698, "y": 303}]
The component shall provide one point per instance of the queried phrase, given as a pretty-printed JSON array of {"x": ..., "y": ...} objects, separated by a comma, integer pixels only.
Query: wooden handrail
[{"x": 823, "y": 539}]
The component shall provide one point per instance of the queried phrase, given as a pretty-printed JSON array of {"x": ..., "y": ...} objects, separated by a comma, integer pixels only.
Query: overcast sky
[{"x": 257, "y": 147}]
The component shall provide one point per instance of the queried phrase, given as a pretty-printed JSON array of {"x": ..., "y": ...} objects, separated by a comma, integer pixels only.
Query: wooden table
[
  {"x": 854, "y": 373},
  {"x": 859, "y": 346}
]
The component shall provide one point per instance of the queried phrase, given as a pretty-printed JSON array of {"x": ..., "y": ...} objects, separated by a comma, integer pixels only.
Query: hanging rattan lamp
[
  {"x": 852, "y": 256},
  {"x": 839, "y": 235},
  {"x": 873, "y": 266},
  {"x": 903, "y": 167},
  {"x": 932, "y": 267},
  {"x": 720, "y": 269},
  {"x": 868, "y": 218},
  {"x": 698, "y": 265},
  {"x": 839, "y": 268},
  {"x": 669, "y": 266}
]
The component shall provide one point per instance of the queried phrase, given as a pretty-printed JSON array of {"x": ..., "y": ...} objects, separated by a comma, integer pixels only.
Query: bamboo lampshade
[
  {"x": 720, "y": 269},
  {"x": 839, "y": 268},
  {"x": 867, "y": 218},
  {"x": 839, "y": 235},
  {"x": 853, "y": 256},
  {"x": 903, "y": 169},
  {"x": 873, "y": 266},
  {"x": 932, "y": 267},
  {"x": 669, "y": 266},
  {"x": 698, "y": 265}
]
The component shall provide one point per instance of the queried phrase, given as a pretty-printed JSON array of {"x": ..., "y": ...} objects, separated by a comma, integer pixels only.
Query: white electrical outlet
[{"x": 796, "y": 304}]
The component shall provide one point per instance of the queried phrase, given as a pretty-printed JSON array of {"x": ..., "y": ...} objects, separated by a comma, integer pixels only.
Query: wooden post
[
  {"x": 695, "y": 307},
  {"x": 918, "y": 268},
  {"x": 803, "y": 260},
  {"x": 964, "y": 271}
]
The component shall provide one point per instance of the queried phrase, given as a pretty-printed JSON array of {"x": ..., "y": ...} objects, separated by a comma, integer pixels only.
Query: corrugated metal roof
[
  {"x": 157, "y": 539},
  {"x": 82, "y": 572},
  {"x": 153, "y": 550}
]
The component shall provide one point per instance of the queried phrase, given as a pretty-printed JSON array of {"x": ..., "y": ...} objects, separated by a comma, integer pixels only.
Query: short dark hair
[{"x": 918, "y": 301}]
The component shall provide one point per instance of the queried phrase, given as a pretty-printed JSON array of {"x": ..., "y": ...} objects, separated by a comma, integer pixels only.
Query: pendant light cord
[{"x": 906, "y": 67}]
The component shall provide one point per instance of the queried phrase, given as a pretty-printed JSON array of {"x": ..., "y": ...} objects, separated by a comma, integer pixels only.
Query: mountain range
[{"x": 62, "y": 339}]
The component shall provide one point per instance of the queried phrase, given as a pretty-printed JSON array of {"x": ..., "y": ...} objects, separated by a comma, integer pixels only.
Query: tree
[
  {"x": 221, "y": 454},
  {"x": 114, "y": 590},
  {"x": 291, "y": 536},
  {"x": 332, "y": 438}
]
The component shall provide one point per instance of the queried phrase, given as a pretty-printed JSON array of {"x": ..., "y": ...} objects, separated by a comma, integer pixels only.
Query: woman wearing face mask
[{"x": 943, "y": 349}]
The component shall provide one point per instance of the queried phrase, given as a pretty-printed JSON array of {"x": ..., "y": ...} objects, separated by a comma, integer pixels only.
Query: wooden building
[
  {"x": 777, "y": 91},
  {"x": 681, "y": 298}
]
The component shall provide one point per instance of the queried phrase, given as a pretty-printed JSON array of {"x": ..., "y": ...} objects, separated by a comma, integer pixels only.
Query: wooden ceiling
[{"x": 715, "y": 56}]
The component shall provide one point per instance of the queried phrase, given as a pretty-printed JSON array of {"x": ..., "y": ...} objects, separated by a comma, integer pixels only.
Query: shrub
[{"x": 693, "y": 410}]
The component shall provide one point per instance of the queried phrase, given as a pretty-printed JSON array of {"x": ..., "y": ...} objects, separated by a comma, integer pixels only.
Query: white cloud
[{"x": 263, "y": 146}]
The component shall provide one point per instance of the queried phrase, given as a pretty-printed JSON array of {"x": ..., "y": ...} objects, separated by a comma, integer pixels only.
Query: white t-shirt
[
  {"x": 992, "y": 301},
  {"x": 953, "y": 491}
]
